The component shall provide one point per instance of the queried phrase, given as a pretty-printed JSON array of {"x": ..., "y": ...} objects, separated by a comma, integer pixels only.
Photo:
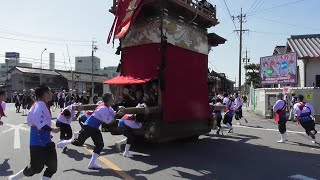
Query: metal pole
[
  {"x": 72, "y": 83},
  {"x": 41, "y": 66},
  {"x": 240, "y": 51},
  {"x": 92, "y": 58},
  {"x": 245, "y": 80}
]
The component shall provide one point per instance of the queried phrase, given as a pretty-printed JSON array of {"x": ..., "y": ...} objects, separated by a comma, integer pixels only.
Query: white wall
[
  {"x": 106, "y": 88},
  {"x": 268, "y": 94},
  {"x": 313, "y": 69},
  {"x": 84, "y": 64},
  {"x": 301, "y": 73}
]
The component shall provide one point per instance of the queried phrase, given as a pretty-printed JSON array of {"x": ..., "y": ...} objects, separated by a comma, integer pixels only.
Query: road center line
[
  {"x": 16, "y": 144},
  {"x": 266, "y": 129},
  {"x": 112, "y": 166},
  {"x": 108, "y": 163}
]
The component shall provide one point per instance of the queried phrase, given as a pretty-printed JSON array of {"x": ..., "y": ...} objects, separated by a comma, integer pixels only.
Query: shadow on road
[
  {"x": 304, "y": 145},
  {"x": 5, "y": 168},
  {"x": 228, "y": 157},
  {"x": 74, "y": 154},
  {"x": 105, "y": 173}
]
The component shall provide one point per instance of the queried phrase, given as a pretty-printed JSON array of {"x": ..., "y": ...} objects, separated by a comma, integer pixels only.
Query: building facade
[
  {"x": 84, "y": 64},
  {"x": 5, "y": 67},
  {"x": 110, "y": 71},
  {"x": 218, "y": 83},
  {"x": 307, "y": 48},
  {"x": 83, "y": 81},
  {"x": 28, "y": 78}
]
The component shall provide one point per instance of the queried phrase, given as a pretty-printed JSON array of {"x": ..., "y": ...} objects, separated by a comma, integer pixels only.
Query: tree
[{"x": 253, "y": 75}]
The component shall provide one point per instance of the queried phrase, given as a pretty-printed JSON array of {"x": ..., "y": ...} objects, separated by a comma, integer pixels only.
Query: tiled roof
[
  {"x": 279, "y": 50},
  {"x": 82, "y": 77},
  {"x": 306, "y": 46},
  {"x": 36, "y": 71}
]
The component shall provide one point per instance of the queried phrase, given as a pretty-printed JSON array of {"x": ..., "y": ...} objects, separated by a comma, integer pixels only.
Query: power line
[
  {"x": 274, "y": 7},
  {"x": 41, "y": 42},
  {"x": 36, "y": 59},
  {"x": 252, "y": 6},
  {"x": 214, "y": 67},
  {"x": 234, "y": 25},
  {"x": 270, "y": 33},
  {"x": 294, "y": 25},
  {"x": 258, "y": 6},
  {"x": 39, "y": 37},
  {"x": 242, "y": 19}
]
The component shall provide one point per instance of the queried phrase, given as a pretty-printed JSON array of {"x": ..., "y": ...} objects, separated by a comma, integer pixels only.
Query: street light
[{"x": 41, "y": 65}]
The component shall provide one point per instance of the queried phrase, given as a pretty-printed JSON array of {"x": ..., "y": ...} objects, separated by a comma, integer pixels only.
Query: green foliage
[{"x": 253, "y": 75}]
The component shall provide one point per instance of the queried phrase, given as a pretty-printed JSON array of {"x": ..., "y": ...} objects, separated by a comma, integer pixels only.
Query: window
[{"x": 80, "y": 60}]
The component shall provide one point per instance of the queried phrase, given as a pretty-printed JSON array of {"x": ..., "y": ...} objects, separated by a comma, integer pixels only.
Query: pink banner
[{"x": 279, "y": 69}]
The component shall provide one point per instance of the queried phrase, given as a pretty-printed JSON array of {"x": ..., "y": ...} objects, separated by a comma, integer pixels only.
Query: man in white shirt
[
  {"x": 125, "y": 125},
  {"x": 104, "y": 113},
  {"x": 42, "y": 149},
  {"x": 61, "y": 100},
  {"x": 229, "y": 112},
  {"x": 304, "y": 112},
  {"x": 238, "y": 108},
  {"x": 64, "y": 120},
  {"x": 280, "y": 109},
  {"x": 3, "y": 98}
]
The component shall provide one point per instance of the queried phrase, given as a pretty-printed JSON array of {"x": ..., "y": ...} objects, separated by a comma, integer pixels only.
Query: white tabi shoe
[
  {"x": 76, "y": 135},
  {"x": 119, "y": 143},
  {"x": 285, "y": 137},
  {"x": 92, "y": 164},
  {"x": 126, "y": 152},
  {"x": 282, "y": 139},
  {"x": 63, "y": 144},
  {"x": 17, "y": 176}
]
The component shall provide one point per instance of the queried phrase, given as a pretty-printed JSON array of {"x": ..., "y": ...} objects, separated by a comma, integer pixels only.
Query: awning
[
  {"x": 126, "y": 80},
  {"x": 214, "y": 39}
]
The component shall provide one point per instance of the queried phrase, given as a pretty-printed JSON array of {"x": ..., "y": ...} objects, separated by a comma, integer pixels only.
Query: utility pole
[
  {"x": 241, "y": 19},
  {"x": 72, "y": 76},
  {"x": 246, "y": 60},
  {"x": 94, "y": 49}
]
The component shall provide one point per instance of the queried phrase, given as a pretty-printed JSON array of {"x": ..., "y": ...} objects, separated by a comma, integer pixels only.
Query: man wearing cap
[
  {"x": 280, "y": 109},
  {"x": 303, "y": 112},
  {"x": 292, "y": 103}
]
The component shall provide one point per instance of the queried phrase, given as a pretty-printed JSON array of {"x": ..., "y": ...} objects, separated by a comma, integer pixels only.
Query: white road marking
[
  {"x": 266, "y": 129},
  {"x": 301, "y": 177},
  {"x": 16, "y": 128},
  {"x": 16, "y": 144}
]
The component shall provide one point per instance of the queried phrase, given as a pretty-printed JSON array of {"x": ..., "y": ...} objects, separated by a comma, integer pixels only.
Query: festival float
[{"x": 166, "y": 41}]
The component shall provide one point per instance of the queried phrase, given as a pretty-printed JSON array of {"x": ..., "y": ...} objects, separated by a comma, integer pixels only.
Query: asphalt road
[{"x": 250, "y": 153}]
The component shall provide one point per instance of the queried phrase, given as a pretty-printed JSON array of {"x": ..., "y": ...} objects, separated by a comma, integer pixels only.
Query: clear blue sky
[{"x": 81, "y": 20}]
